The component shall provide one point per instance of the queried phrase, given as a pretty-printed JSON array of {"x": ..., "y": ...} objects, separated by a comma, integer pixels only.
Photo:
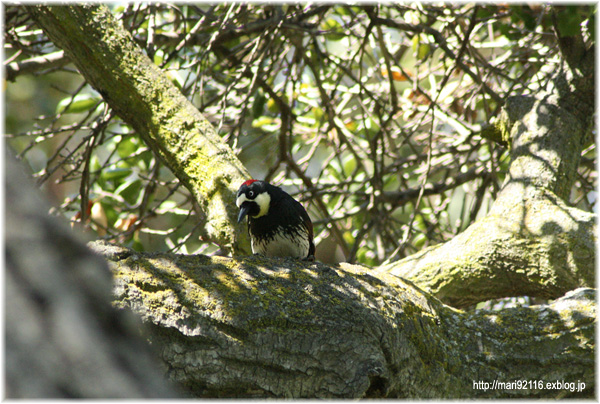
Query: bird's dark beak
[{"x": 244, "y": 209}]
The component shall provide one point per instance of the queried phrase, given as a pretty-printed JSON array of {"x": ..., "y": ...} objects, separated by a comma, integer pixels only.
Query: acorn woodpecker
[{"x": 278, "y": 224}]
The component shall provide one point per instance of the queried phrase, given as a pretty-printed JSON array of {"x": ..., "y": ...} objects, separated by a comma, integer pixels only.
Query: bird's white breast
[{"x": 282, "y": 245}]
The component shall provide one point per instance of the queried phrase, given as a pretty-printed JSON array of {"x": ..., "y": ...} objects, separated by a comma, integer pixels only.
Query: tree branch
[
  {"x": 283, "y": 328},
  {"x": 143, "y": 96},
  {"x": 531, "y": 242},
  {"x": 441, "y": 41},
  {"x": 401, "y": 197},
  {"x": 35, "y": 64}
]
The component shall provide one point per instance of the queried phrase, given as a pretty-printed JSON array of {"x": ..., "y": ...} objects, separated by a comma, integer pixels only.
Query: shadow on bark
[{"x": 257, "y": 327}]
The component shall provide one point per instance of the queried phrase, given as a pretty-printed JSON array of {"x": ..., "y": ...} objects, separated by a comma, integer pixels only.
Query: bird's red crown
[{"x": 249, "y": 182}]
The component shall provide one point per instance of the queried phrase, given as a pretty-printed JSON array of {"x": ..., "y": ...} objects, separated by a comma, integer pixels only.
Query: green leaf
[
  {"x": 262, "y": 121},
  {"x": 129, "y": 190},
  {"x": 420, "y": 47},
  {"x": 349, "y": 165},
  {"x": 419, "y": 240},
  {"x": 258, "y": 106},
  {"x": 78, "y": 104},
  {"x": 115, "y": 174},
  {"x": 128, "y": 146},
  {"x": 525, "y": 15},
  {"x": 159, "y": 57},
  {"x": 342, "y": 10}
]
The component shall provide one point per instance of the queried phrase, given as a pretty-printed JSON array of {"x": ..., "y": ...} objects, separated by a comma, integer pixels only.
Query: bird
[{"x": 278, "y": 225}]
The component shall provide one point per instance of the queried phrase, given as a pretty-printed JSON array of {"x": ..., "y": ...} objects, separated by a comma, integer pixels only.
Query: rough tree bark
[
  {"x": 252, "y": 327},
  {"x": 143, "y": 96},
  {"x": 62, "y": 336},
  {"x": 531, "y": 242}
]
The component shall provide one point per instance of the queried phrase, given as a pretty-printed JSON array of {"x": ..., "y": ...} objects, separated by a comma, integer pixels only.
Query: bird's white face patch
[
  {"x": 240, "y": 199},
  {"x": 263, "y": 201}
]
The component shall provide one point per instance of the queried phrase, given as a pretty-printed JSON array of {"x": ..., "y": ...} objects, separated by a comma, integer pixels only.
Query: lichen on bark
[
  {"x": 531, "y": 242},
  {"x": 258, "y": 327},
  {"x": 143, "y": 96}
]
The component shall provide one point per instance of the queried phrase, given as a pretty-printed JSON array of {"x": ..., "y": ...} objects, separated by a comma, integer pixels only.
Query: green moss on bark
[{"x": 144, "y": 97}]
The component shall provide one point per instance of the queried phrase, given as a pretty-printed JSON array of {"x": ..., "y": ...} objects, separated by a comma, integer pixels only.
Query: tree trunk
[
  {"x": 63, "y": 337},
  {"x": 142, "y": 95}
]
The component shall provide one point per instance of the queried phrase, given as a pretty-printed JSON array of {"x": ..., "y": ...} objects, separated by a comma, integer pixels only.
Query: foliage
[{"x": 370, "y": 115}]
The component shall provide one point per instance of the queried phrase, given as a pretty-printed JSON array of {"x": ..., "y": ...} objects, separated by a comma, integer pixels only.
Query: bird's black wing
[{"x": 306, "y": 223}]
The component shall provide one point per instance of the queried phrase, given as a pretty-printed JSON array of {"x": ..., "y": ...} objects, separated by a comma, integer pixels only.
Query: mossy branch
[
  {"x": 257, "y": 327},
  {"x": 143, "y": 96},
  {"x": 531, "y": 242},
  {"x": 540, "y": 247}
]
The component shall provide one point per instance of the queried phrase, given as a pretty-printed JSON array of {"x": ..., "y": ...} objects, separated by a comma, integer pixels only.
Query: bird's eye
[{"x": 251, "y": 194}]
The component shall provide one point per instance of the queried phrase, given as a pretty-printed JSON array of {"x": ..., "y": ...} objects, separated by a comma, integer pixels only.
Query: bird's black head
[{"x": 253, "y": 199}]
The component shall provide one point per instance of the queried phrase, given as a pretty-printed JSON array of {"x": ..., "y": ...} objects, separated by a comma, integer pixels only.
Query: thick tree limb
[
  {"x": 108, "y": 58},
  {"x": 284, "y": 328},
  {"x": 540, "y": 247},
  {"x": 572, "y": 47},
  {"x": 531, "y": 242}
]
